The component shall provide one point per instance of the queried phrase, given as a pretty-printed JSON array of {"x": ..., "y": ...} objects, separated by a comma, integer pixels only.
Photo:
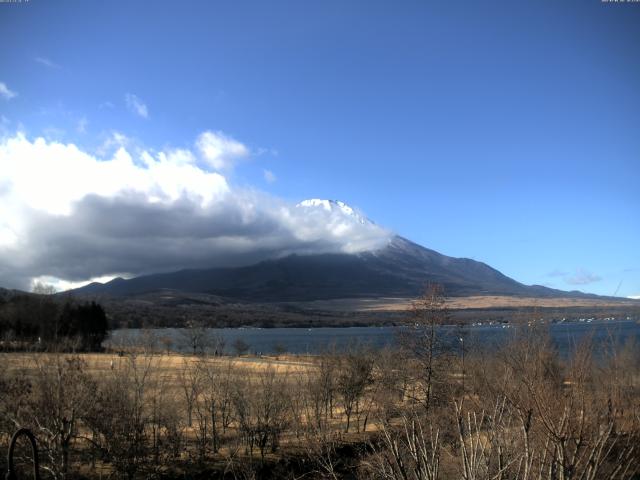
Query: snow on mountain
[{"x": 335, "y": 206}]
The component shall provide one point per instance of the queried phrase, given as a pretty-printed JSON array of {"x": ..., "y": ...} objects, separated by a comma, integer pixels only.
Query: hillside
[{"x": 401, "y": 269}]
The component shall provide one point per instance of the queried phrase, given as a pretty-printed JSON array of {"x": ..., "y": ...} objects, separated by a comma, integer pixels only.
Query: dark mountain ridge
[{"x": 401, "y": 269}]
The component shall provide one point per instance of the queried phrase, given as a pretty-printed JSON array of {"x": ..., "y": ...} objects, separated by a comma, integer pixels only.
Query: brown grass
[
  {"x": 461, "y": 303},
  {"x": 167, "y": 365}
]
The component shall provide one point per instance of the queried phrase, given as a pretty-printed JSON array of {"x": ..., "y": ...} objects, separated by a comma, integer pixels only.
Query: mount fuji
[
  {"x": 400, "y": 268},
  {"x": 335, "y": 206}
]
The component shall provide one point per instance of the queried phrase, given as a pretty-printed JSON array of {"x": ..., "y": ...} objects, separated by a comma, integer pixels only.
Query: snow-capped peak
[{"x": 335, "y": 206}]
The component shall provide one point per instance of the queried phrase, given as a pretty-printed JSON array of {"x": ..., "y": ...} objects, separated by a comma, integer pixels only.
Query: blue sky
[{"x": 507, "y": 132}]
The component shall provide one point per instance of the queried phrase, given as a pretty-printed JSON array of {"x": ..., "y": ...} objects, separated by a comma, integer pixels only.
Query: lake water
[{"x": 565, "y": 335}]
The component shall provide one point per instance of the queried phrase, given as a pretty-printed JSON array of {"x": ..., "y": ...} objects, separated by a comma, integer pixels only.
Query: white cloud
[
  {"x": 269, "y": 176},
  {"x": 46, "y": 62},
  {"x": 63, "y": 285},
  {"x": 49, "y": 176},
  {"x": 136, "y": 105},
  {"x": 70, "y": 216},
  {"x": 6, "y": 92},
  {"x": 634, "y": 297},
  {"x": 219, "y": 150}
]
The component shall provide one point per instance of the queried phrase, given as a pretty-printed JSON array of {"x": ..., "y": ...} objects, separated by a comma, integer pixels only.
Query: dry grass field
[
  {"x": 463, "y": 303},
  {"x": 361, "y": 414},
  {"x": 169, "y": 365},
  {"x": 178, "y": 384}
]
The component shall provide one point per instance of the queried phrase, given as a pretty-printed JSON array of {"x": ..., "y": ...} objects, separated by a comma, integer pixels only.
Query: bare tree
[
  {"x": 409, "y": 451},
  {"x": 240, "y": 346},
  {"x": 119, "y": 416},
  {"x": 190, "y": 382},
  {"x": 322, "y": 449},
  {"x": 16, "y": 386},
  {"x": 261, "y": 406},
  {"x": 214, "y": 409},
  {"x": 316, "y": 388},
  {"x": 556, "y": 422},
  {"x": 166, "y": 421},
  {"x": 353, "y": 377},
  {"x": 392, "y": 379},
  {"x": 422, "y": 342},
  {"x": 196, "y": 336},
  {"x": 218, "y": 344},
  {"x": 61, "y": 396}
]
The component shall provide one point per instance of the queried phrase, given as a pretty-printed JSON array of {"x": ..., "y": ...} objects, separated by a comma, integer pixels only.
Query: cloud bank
[{"x": 70, "y": 216}]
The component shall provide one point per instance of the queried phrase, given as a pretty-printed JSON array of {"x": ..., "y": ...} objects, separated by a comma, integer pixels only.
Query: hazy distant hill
[{"x": 401, "y": 269}]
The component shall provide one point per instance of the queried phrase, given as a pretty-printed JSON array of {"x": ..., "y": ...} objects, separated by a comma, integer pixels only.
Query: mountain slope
[{"x": 401, "y": 269}]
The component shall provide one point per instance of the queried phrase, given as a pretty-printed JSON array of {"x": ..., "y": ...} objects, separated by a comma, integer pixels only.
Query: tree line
[{"x": 41, "y": 321}]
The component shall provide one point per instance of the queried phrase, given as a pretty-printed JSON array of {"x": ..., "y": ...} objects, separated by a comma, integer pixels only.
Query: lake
[{"x": 565, "y": 335}]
